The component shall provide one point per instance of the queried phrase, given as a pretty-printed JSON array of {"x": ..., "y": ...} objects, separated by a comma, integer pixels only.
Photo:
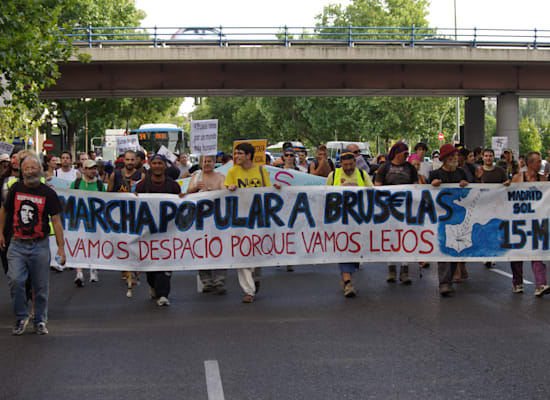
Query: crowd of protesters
[{"x": 25, "y": 227}]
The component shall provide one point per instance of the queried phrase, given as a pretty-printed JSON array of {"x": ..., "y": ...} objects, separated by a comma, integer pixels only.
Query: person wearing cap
[
  {"x": 510, "y": 165},
  {"x": 156, "y": 181},
  {"x": 449, "y": 172},
  {"x": 280, "y": 161},
  {"x": 397, "y": 171},
  {"x": 89, "y": 181},
  {"x": 4, "y": 163},
  {"x": 289, "y": 159},
  {"x": 436, "y": 161},
  {"x": 348, "y": 175}
]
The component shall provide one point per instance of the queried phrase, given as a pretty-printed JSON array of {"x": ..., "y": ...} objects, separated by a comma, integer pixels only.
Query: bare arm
[
  {"x": 3, "y": 215},
  {"x": 58, "y": 230},
  {"x": 111, "y": 184}
]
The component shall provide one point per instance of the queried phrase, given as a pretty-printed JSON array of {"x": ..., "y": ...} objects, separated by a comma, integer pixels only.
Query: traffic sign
[
  {"x": 441, "y": 136},
  {"x": 48, "y": 145}
]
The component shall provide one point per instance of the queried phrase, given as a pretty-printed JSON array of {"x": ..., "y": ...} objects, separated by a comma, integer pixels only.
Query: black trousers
[{"x": 160, "y": 281}]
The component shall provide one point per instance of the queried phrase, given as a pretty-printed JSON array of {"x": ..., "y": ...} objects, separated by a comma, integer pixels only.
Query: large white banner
[{"x": 306, "y": 225}]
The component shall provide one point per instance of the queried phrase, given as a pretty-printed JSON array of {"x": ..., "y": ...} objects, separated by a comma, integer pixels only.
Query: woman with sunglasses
[{"x": 289, "y": 159}]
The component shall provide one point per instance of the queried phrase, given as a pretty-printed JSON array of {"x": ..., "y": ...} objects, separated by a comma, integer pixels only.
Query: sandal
[{"x": 248, "y": 298}]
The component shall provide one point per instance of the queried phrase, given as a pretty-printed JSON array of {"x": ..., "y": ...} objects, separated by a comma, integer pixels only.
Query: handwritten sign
[{"x": 204, "y": 137}]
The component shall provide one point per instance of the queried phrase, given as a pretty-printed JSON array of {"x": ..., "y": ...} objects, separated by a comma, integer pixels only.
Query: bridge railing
[{"x": 286, "y": 36}]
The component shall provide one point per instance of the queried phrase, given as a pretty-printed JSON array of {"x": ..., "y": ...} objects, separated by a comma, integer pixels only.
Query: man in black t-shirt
[
  {"x": 157, "y": 182},
  {"x": 32, "y": 204},
  {"x": 397, "y": 171},
  {"x": 449, "y": 172}
]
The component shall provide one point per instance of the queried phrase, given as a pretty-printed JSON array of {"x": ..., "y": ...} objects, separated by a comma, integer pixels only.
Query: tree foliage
[
  {"x": 529, "y": 138},
  {"x": 30, "y": 47}
]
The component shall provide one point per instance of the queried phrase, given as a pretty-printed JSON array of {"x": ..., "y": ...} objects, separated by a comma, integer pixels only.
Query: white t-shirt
[{"x": 68, "y": 176}]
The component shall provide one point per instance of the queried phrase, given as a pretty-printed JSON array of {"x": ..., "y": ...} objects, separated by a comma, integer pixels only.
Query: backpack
[
  {"x": 99, "y": 184},
  {"x": 330, "y": 163}
]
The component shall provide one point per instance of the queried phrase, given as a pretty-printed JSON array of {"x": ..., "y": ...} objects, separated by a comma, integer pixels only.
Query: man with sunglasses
[
  {"x": 397, "y": 171},
  {"x": 88, "y": 181},
  {"x": 348, "y": 175},
  {"x": 359, "y": 160}
]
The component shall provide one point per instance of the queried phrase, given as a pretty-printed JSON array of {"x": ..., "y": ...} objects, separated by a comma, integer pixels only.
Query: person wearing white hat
[
  {"x": 88, "y": 181},
  {"x": 4, "y": 163}
]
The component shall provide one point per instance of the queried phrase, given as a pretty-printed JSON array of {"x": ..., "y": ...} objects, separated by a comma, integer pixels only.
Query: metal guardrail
[{"x": 311, "y": 36}]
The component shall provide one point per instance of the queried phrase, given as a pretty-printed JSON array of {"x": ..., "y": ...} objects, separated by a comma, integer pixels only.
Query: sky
[{"x": 494, "y": 14}]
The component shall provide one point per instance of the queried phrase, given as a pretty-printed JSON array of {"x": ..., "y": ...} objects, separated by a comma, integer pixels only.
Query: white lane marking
[
  {"x": 213, "y": 380},
  {"x": 498, "y": 271}
]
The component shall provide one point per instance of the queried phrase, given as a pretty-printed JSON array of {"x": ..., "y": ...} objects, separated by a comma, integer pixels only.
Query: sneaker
[
  {"x": 207, "y": 288},
  {"x": 404, "y": 275},
  {"x": 40, "y": 328},
  {"x": 518, "y": 289},
  {"x": 349, "y": 290},
  {"x": 446, "y": 290},
  {"x": 221, "y": 290},
  {"x": 93, "y": 275},
  {"x": 20, "y": 327},
  {"x": 248, "y": 298},
  {"x": 163, "y": 301},
  {"x": 79, "y": 279},
  {"x": 542, "y": 290},
  {"x": 392, "y": 274}
]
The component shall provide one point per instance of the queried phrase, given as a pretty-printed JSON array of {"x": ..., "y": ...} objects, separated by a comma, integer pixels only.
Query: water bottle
[{"x": 58, "y": 261}]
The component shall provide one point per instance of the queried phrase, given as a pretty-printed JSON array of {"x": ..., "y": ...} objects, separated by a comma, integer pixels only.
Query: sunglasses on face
[
  {"x": 290, "y": 155},
  {"x": 356, "y": 152}
]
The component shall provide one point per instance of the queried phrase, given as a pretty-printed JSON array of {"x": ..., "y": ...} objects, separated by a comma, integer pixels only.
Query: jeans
[
  {"x": 446, "y": 271},
  {"x": 160, "y": 281},
  {"x": 213, "y": 277},
  {"x": 539, "y": 271},
  {"x": 348, "y": 268},
  {"x": 29, "y": 260}
]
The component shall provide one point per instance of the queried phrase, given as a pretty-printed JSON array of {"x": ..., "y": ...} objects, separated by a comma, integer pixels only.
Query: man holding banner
[
  {"x": 157, "y": 182},
  {"x": 244, "y": 174},
  {"x": 348, "y": 175}
]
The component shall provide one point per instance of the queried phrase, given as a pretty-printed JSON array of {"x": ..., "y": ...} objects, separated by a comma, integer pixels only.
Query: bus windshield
[{"x": 152, "y": 136}]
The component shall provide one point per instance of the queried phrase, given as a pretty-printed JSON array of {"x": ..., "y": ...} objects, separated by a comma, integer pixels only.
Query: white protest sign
[
  {"x": 125, "y": 143},
  {"x": 204, "y": 137},
  {"x": 6, "y": 148},
  {"x": 167, "y": 153},
  {"x": 499, "y": 143}
]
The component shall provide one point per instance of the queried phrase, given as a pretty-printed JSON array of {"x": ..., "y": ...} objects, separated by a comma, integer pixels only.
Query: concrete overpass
[{"x": 318, "y": 71}]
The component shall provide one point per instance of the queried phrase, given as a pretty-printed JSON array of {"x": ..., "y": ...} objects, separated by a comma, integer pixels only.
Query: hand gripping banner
[{"x": 305, "y": 225}]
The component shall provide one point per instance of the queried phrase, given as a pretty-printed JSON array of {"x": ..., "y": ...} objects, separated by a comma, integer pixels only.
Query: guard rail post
[
  {"x": 475, "y": 37},
  {"x": 90, "y": 36},
  {"x": 412, "y": 36},
  {"x": 350, "y": 37},
  {"x": 535, "y": 43}
]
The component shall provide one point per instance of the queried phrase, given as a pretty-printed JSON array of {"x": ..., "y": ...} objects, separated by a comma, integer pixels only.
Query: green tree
[
  {"x": 238, "y": 118},
  {"x": 30, "y": 47},
  {"x": 127, "y": 113},
  {"x": 529, "y": 138}
]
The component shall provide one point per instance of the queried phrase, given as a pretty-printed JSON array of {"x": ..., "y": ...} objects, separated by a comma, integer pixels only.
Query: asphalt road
[{"x": 301, "y": 339}]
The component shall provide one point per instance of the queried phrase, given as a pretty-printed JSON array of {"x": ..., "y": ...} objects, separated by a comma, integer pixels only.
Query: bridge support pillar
[
  {"x": 508, "y": 119},
  {"x": 474, "y": 122}
]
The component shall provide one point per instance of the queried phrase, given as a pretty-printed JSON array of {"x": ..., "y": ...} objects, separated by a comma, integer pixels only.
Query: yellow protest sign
[{"x": 260, "y": 146}]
